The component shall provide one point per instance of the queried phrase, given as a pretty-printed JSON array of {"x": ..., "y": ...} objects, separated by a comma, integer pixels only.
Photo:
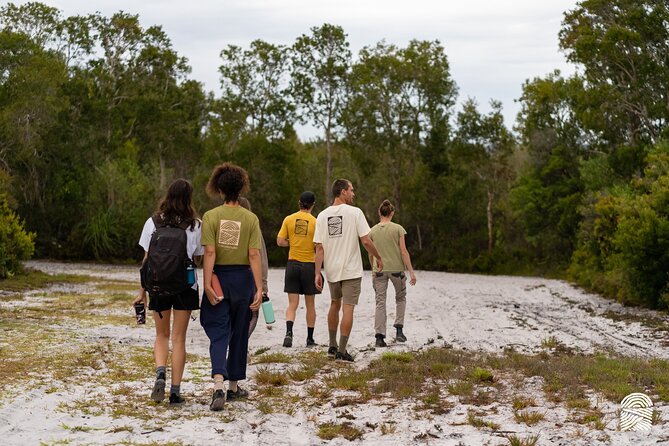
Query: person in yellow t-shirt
[
  {"x": 297, "y": 233},
  {"x": 388, "y": 237}
]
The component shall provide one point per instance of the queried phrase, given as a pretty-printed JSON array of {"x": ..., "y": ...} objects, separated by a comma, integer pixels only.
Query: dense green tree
[{"x": 321, "y": 64}]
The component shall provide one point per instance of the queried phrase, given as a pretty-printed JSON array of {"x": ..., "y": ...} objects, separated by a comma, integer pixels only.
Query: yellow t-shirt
[
  {"x": 298, "y": 229},
  {"x": 233, "y": 231}
]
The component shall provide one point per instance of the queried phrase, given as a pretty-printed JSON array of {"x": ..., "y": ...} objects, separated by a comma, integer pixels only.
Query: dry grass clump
[{"x": 328, "y": 431}]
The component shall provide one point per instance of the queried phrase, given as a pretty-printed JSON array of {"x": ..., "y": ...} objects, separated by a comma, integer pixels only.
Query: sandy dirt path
[{"x": 472, "y": 312}]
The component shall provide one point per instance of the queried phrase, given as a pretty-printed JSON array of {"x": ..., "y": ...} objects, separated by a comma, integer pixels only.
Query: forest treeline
[{"x": 98, "y": 114}]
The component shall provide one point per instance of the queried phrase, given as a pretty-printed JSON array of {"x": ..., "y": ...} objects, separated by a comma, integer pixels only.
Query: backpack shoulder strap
[{"x": 157, "y": 221}]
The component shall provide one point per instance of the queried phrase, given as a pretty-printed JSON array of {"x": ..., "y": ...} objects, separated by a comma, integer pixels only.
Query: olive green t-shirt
[
  {"x": 386, "y": 238},
  {"x": 233, "y": 230}
]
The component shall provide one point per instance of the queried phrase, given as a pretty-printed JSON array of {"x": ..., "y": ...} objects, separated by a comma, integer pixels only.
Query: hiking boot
[
  {"x": 346, "y": 357},
  {"x": 158, "y": 393},
  {"x": 332, "y": 352},
  {"x": 288, "y": 340},
  {"x": 311, "y": 343},
  {"x": 399, "y": 336},
  {"x": 176, "y": 399},
  {"x": 238, "y": 394},
  {"x": 380, "y": 342},
  {"x": 217, "y": 400}
]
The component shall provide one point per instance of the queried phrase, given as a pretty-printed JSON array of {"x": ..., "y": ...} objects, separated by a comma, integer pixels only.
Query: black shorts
[
  {"x": 300, "y": 278},
  {"x": 188, "y": 300}
]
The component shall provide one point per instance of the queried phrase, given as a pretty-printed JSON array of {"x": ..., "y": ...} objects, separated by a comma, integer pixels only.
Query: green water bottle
[{"x": 267, "y": 309}]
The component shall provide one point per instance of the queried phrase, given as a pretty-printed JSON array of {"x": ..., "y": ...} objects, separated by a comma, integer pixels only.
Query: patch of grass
[
  {"x": 319, "y": 392},
  {"x": 578, "y": 403},
  {"x": 388, "y": 428},
  {"x": 266, "y": 376},
  {"x": 461, "y": 388},
  {"x": 518, "y": 441},
  {"x": 328, "y": 431},
  {"x": 397, "y": 356},
  {"x": 480, "y": 423},
  {"x": 273, "y": 358},
  {"x": 32, "y": 279},
  {"x": 528, "y": 417},
  {"x": 265, "y": 407},
  {"x": 481, "y": 375},
  {"x": 302, "y": 373},
  {"x": 261, "y": 350},
  {"x": 550, "y": 342},
  {"x": 119, "y": 286},
  {"x": 520, "y": 403},
  {"x": 312, "y": 359}
]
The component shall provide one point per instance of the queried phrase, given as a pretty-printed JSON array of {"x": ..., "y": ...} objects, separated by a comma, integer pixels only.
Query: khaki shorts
[{"x": 347, "y": 290}]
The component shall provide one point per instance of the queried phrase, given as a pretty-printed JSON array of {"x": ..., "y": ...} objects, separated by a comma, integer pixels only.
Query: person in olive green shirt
[
  {"x": 232, "y": 243},
  {"x": 388, "y": 237}
]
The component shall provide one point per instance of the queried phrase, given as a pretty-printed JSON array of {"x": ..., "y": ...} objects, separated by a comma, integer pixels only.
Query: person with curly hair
[
  {"x": 173, "y": 312},
  {"x": 232, "y": 243}
]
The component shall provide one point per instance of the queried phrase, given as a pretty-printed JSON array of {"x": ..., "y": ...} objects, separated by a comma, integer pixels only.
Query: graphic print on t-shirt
[
  {"x": 335, "y": 226},
  {"x": 228, "y": 233},
  {"x": 301, "y": 227}
]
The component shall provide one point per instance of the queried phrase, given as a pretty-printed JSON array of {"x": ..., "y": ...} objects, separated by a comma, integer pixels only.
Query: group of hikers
[{"x": 228, "y": 243}]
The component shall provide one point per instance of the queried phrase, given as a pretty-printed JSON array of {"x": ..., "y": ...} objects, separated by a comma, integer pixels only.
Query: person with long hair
[
  {"x": 388, "y": 237},
  {"x": 171, "y": 314},
  {"x": 232, "y": 244}
]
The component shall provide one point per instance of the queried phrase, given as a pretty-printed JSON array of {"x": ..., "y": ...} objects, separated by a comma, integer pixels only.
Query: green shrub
[{"x": 15, "y": 243}]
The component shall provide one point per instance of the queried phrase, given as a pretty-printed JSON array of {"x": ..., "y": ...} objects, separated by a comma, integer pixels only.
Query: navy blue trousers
[{"x": 227, "y": 323}]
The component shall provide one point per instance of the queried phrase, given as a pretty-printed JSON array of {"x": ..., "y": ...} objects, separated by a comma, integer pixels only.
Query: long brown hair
[{"x": 176, "y": 207}]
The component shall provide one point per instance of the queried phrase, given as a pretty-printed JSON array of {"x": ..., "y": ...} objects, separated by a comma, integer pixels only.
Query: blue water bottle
[
  {"x": 190, "y": 275},
  {"x": 267, "y": 309}
]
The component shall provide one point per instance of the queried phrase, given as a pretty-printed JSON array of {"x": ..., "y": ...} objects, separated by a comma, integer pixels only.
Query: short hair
[
  {"x": 386, "y": 208},
  {"x": 307, "y": 199},
  {"x": 338, "y": 186},
  {"x": 228, "y": 179}
]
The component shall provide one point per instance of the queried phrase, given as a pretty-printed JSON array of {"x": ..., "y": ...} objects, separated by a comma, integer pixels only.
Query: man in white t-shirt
[{"x": 338, "y": 229}]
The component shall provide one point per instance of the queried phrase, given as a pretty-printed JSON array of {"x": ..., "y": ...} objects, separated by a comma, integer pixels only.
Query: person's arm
[
  {"x": 371, "y": 250},
  {"x": 208, "y": 271},
  {"x": 141, "y": 295},
  {"x": 284, "y": 243},
  {"x": 318, "y": 279},
  {"x": 256, "y": 268},
  {"x": 406, "y": 258},
  {"x": 264, "y": 263}
]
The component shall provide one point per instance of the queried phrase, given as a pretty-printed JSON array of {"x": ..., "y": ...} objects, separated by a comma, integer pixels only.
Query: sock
[
  {"x": 233, "y": 386},
  {"x": 310, "y": 333},
  {"x": 289, "y": 327},
  {"x": 218, "y": 384},
  {"x": 343, "y": 340},
  {"x": 333, "y": 338},
  {"x": 160, "y": 372},
  {"x": 175, "y": 389}
]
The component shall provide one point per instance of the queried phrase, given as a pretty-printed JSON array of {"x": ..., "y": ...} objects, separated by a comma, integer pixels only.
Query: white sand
[{"x": 463, "y": 311}]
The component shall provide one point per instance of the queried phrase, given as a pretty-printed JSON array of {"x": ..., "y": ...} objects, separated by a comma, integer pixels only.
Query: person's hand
[
  {"x": 318, "y": 281},
  {"x": 212, "y": 297},
  {"x": 141, "y": 297},
  {"x": 413, "y": 279},
  {"x": 257, "y": 300},
  {"x": 379, "y": 264}
]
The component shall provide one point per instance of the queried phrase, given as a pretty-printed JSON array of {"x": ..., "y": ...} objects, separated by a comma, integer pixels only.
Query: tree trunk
[
  {"x": 491, "y": 196},
  {"x": 163, "y": 179},
  {"x": 328, "y": 165}
]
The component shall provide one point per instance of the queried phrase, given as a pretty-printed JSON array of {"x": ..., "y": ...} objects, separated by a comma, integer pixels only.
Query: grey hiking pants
[{"x": 380, "y": 283}]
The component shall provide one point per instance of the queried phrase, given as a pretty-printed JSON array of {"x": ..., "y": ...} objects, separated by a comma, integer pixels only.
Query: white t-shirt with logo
[
  {"x": 338, "y": 229},
  {"x": 193, "y": 246}
]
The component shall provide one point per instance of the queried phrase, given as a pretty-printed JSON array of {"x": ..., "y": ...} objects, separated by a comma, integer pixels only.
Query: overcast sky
[{"x": 493, "y": 46}]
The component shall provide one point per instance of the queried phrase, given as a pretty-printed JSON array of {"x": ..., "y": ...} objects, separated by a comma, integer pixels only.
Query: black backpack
[{"x": 164, "y": 271}]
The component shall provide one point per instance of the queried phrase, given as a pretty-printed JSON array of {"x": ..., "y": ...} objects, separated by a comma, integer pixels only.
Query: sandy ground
[{"x": 480, "y": 313}]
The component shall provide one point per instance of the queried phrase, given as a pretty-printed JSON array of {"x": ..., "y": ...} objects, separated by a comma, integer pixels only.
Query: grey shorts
[{"x": 347, "y": 290}]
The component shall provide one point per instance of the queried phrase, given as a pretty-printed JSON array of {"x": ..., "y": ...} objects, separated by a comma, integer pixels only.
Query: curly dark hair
[
  {"x": 386, "y": 208},
  {"x": 229, "y": 180},
  {"x": 176, "y": 207}
]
